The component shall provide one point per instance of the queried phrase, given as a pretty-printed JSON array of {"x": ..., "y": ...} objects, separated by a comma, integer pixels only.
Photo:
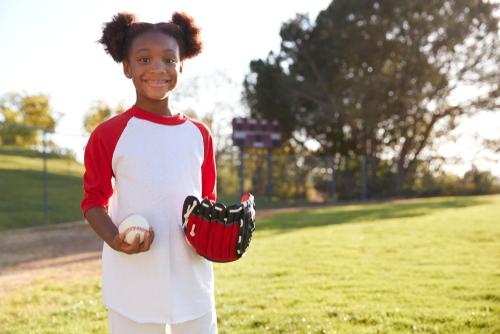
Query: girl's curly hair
[{"x": 118, "y": 34}]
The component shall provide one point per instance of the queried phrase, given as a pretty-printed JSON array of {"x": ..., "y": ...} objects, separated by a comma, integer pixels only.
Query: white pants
[{"x": 118, "y": 324}]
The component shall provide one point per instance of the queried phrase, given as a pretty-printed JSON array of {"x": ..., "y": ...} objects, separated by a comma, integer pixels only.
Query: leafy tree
[
  {"x": 478, "y": 182},
  {"x": 493, "y": 145},
  {"x": 23, "y": 118},
  {"x": 98, "y": 113},
  {"x": 372, "y": 80}
]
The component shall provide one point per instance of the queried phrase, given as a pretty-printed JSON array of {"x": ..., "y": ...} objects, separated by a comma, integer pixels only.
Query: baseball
[{"x": 133, "y": 225}]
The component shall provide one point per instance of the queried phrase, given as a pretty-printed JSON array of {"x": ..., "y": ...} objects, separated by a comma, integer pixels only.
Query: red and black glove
[{"x": 217, "y": 232}]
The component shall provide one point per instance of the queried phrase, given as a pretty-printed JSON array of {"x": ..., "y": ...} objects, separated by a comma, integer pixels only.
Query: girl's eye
[
  {"x": 170, "y": 60},
  {"x": 144, "y": 60}
]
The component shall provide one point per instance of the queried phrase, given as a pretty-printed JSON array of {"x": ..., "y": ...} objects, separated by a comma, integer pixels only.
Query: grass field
[
  {"x": 419, "y": 266},
  {"x": 21, "y": 181}
]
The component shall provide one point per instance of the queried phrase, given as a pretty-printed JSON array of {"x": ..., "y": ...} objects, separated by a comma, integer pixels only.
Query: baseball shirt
[{"x": 142, "y": 163}]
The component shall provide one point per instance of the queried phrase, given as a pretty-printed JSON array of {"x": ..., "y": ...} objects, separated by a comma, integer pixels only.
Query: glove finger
[
  {"x": 220, "y": 213},
  {"x": 204, "y": 231},
  {"x": 218, "y": 240},
  {"x": 232, "y": 251},
  {"x": 206, "y": 209},
  {"x": 211, "y": 244},
  {"x": 249, "y": 205},
  {"x": 230, "y": 234},
  {"x": 244, "y": 231},
  {"x": 247, "y": 222},
  {"x": 205, "y": 239},
  {"x": 249, "y": 226},
  {"x": 234, "y": 217},
  {"x": 190, "y": 205},
  {"x": 226, "y": 243},
  {"x": 221, "y": 235}
]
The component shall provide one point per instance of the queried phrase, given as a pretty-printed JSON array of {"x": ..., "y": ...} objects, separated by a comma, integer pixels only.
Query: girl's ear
[
  {"x": 180, "y": 66},
  {"x": 126, "y": 69}
]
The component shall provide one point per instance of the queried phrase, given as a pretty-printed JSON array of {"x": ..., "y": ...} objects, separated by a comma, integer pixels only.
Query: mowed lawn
[
  {"x": 419, "y": 266},
  {"x": 21, "y": 182}
]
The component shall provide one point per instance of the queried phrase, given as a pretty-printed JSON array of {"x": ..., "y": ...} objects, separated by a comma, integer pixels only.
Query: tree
[
  {"x": 492, "y": 144},
  {"x": 371, "y": 80},
  {"x": 24, "y": 116},
  {"x": 268, "y": 96},
  {"x": 98, "y": 113},
  {"x": 478, "y": 182},
  {"x": 200, "y": 97}
]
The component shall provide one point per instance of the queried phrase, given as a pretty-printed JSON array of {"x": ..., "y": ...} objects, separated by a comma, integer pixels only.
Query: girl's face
[{"x": 153, "y": 64}]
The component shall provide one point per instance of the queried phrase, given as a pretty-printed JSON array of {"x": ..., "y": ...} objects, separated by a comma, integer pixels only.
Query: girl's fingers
[
  {"x": 145, "y": 245},
  {"x": 136, "y": 245},
  {"x": 131, "y": 248},
  {"x": 148, "y": 240},
  {"x": 121, "y": 237},
  {"x": 117, "y": 243}
]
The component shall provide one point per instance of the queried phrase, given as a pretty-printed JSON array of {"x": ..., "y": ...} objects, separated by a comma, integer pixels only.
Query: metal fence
[{"x": 276, "y": 176}]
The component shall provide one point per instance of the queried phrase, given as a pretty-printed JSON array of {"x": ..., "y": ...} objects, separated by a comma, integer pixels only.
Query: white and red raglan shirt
[{"x": 142, "y": 163}]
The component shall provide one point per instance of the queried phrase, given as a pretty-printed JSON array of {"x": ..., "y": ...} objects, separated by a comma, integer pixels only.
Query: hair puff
[
  {"x": 114, "y": 35},
  {"x": 193, "y": 44}
]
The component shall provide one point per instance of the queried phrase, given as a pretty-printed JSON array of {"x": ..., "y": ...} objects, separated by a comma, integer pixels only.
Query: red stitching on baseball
[{"x": 134, "y": 228}]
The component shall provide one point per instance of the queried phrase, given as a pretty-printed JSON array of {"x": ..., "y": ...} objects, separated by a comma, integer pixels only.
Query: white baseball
[{"x": 132, "y": 226}]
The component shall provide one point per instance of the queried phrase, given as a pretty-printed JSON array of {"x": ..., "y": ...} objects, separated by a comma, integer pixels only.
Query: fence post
[
  {"x": 333, "y": 183},
  {"x": 242, "y": 171},
  {"x": 269, "y": 175},
  {"x": 45, "y": 179},
  {"x": 297, "y": 177},
  {"x": 364, "y": 189}
]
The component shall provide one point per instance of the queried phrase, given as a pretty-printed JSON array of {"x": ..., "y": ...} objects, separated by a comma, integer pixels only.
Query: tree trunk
[{"x": 401, "y": 170}]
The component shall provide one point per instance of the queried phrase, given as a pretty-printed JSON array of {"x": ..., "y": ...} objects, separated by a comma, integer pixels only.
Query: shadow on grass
[
  {"x": 363, "y": 213},
  {"x": 263, "y": 202},
  {"x": 21, "y": 198}
]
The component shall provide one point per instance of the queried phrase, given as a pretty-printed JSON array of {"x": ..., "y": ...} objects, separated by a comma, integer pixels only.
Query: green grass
[
  {"x": 420, "y": 266},
  {"x": 21, "y": 181}
]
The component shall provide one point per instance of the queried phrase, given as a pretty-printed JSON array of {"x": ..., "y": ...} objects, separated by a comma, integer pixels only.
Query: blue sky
[{"x": 50, "y": 47}]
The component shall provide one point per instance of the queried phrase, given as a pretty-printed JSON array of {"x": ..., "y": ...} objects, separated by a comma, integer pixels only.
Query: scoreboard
[{"x": 256, "y": 133}]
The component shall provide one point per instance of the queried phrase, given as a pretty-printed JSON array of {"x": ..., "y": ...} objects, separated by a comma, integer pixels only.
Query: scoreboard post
[{"x": 256, "y": 133}]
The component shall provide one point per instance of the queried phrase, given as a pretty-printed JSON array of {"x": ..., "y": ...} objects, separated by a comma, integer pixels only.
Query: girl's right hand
[{"x": 120, "y": 245}]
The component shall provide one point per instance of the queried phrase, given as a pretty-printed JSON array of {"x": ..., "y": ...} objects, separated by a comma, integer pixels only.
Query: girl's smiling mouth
[{"x": 157, "y": 83}]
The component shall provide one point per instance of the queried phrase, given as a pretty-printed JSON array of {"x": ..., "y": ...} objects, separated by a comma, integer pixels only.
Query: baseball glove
[{"x": 217, "y": 232}]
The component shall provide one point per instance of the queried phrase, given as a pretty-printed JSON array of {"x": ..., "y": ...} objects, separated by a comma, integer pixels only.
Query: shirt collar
[{"x": 176, "y": 119}]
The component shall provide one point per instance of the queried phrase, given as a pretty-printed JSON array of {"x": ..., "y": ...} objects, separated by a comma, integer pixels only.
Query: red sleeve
[
  {"x": 97, "y": 188},
  {"x": 208, "y": 170}
]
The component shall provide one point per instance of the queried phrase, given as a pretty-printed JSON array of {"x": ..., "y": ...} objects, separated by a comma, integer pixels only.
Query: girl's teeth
[{"x": 157, "y": 82}]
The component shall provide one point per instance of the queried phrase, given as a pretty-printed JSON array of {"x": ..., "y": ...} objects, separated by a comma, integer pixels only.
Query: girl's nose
[{"x": 159, "y": 66}]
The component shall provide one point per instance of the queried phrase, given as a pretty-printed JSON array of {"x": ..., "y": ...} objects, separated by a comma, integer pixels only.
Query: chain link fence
[{"x": 276, "y": 177}]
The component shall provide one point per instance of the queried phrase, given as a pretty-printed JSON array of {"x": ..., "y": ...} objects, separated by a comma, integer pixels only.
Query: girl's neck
[{"x": 156, "y": 107}]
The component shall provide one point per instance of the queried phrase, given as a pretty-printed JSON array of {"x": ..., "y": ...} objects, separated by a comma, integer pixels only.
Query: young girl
[{"x": 146, "y": 161}]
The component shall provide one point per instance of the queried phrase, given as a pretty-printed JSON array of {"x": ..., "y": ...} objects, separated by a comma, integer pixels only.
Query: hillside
[{"x": 21, "y": 181}]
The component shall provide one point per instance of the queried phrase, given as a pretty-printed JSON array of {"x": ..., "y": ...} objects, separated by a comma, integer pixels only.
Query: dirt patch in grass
[{"x": 56, "y": 252}]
